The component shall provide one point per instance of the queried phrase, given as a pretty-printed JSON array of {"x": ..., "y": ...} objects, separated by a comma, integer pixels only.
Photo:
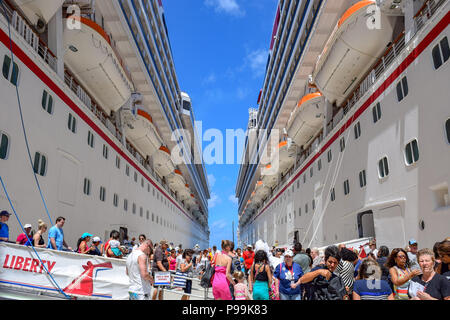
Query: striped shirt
[
  {"x": 372, "y": 289},
  {"x": 345, "y": 270}
]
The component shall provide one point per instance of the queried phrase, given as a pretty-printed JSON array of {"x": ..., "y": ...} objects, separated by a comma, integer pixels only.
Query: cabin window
[
  {"x": 127, "y": 170},
  {"x": 447, "y": 128},
  {"x": 102, "y": 194},
  {"x": 306, "y": 208},
  {"x": 383, "y": 167},
  {"x": 4, "y": 146},
  {"x": 402, "y": 89},
  {"x": 357, "y": 130},
  {"x": 11, "y": 74},
  {"x": 153, "y": 217},
  {"x": 311, "y": 172},
  {"x": 72, "y": 123},
  {"x": 90, "y": 139},
  {"x": 141, "y": 212},
  {"x": 298, "y": 184},
  {"x": 115, "y": 200},
  {"x": 362, "y": 178},
  {"x": 441, "y": 53},
  {"x": 346, "y": 187},
  {"x": 87, "y": 187},
  {"x": 330, "y": 156},
  {"x": 125, "y": 204},
  {"x": 47, "y": 102},
  {"x": 105, "y": 151},
  {"x": 314, "y": 204},
  {"x": 412, "y": 152},
  {"x": 319, "y": 164},
  {"x": 342, "y": 144},
  {"x": 134, "y": 208},
  {"x": 142, "y": 182},
  {"x": 135, "y": 177},
  {"x": 376, "y": 112},
  {"x": 333, "y": 195},
  {"x": 117, "y": 162},
  {"x": 40, "y": 164},
  {"x": 304, "y": 178},
  {"x": 148, "y": 215}
]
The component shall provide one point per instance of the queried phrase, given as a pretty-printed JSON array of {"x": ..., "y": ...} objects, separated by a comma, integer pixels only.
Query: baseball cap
[
  {"x": 412, "y": 241},
  {"x": 27, "y": 226},
  {"x": 289, "y": 253},
  {"x": 4, "y": 213},
  {"x": 96, "y": 239},
  {"x": 86, "y": 235}
]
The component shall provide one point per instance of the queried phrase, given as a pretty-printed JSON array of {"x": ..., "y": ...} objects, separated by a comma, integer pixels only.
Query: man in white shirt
[
  {"x": 412, "y": 254},
  {"x": 137, "y": 270}
]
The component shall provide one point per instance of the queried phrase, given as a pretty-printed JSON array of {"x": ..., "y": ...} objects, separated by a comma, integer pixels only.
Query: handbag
[{"x": 206, "y": 281}]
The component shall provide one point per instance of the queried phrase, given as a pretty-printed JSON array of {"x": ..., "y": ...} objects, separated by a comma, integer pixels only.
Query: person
[
  {"x": 289, "y": 273},
  {"x": 116, "y": 249},
  {"x": 412, "y": 254},
  {"x": 142, "y": 238},
  {"x": 4, "y": 229},
  {"x": 222, "y": 277},
  {"x": 248, "y": 256},
  {"x": 241, "y": 259},
  {"x": 444, "y": 255},
  {"x": 187, "y": 267},
  {"x": 315, "y": 255},
  {"x": 179, "y": 256},
  {"x": 137, "y": 270},
  {"x": 38, "y": 239},
  {"x": 370, "y": 286},
  {"x": 322, "y": 276},
  {"x": 195, "y": 255},
  {"x": 240, "y": 289},
  {"x": 400, "y": 273},
  {"x": 300, "y": 258},
  {"x": 56, "y": 236},
  {"x": 204, "y": 261},
  {"x": 429, "y": 285},
  {"x": 260, "y": 276},
  {"x": 346, "y": 268},
  {"x": 160, "y": 264},
  {"x": 24, "y": 239},
  {"x": 308, "y": 253},
  {"x": 373, "y": 248},
  {"x": 172, "y": 260},
  {"x": 214, "y": 250},
  {"x": 96, "y": 249},
  {"x": 83, "y": 243},
  {"x": 113, "y": 235},
  {"x": 383, "y": 254}
]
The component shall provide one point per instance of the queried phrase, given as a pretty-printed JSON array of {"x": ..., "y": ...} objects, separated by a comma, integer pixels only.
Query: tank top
[
  {"x": 401, "y": 292},
  {"x": 240, "y": 291},
  {"x": 137, "y": 284},
  {"x": 172, "y": 263},
  {"x": 262, "y": 274}
]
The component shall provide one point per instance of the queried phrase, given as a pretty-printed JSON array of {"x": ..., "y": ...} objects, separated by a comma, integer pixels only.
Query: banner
[{"x": 76, "y": 274}]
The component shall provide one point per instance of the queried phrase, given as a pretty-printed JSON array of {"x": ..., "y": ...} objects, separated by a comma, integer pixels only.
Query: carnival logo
[{"x": 84, "y": 283}]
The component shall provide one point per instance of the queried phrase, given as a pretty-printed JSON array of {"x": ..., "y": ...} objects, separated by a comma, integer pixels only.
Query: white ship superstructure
[
  {"x": 102, "y": 110},
  {"x": 358, "y": 91}
]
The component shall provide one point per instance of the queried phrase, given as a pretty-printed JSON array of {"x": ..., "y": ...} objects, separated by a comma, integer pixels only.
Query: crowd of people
[{"x": 261, "y": 273}]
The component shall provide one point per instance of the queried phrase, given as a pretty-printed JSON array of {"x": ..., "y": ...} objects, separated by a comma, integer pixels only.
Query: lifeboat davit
[
  {"x": 140, "y": 130},
  {"x": 90, "y": 56},
  {"x": 307, "y": 118},
  {"x": 283, "y": 155},
  {"x": 39, "y": 9},
  {"x": 176, "y": 181},
  {"x": 351, "y": 51},
  {"x": 269, "y": 176},
  {"x": 162, "y": 161}
]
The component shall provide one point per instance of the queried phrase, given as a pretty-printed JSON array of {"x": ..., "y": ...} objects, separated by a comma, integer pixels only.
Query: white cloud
[
  {"x": 219, "y": 224},
  {"x": 233, "y": 199},
  {"x": 257, "y": 60},
  {"x": 215, "y": 199},
  {"x": 227, "y": 6},
  {"x": 211, "y": 180}
]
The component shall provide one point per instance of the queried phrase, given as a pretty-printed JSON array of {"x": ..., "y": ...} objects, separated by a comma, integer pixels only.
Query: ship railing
[{"x": 19, "y": 24}]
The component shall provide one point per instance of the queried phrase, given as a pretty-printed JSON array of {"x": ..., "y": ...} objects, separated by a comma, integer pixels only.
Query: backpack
[
  {"x": 235, "y": 264},
  {"x": 333, "y": 289},
  {"x": 207, "y": 277}
]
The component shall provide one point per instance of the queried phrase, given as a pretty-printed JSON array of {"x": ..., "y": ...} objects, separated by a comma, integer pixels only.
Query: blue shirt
[
  {"x": 285, "y": 274},
  {"x": 4, "y": 231},
  {"x": 372, "y": 289},
  {"x": 58, "y": 235},
  {"x": 357, "y": 268}
]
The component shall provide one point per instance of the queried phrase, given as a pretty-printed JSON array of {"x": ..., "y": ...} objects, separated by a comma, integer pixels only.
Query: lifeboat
[
  {"x": 261, "y": 190},
  {"x": 90, "y": 56},
  {"x": 39, "y": 9},
  {"x": 176, "y": 181},
  {"x": 307, "y": 118},
  {"x": 283, "y": 155},
  {"x": 141, "y": 131},
  {"x": 350, "y": 52},
  {"x": 184, "y": 193},
  {"x": 269, "y": 176},
  {"x": 162, "y": 161}
]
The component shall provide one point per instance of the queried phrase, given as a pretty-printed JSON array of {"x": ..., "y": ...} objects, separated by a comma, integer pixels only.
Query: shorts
[
  {"x": 188, "y": 288},
  {"x": 138, "y": 296}
]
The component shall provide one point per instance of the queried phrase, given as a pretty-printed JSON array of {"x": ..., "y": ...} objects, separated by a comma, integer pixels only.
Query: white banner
[{"x": 76, "y": 274}]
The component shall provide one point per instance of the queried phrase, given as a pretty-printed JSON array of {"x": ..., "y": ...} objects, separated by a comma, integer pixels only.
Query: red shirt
[{"x": 248, "y": 258}]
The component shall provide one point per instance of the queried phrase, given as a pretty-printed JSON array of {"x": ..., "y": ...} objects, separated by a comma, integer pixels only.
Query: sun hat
[
  {"x": 86, "y": 235},
  {"x": 27, "y": 226},
  {"x": 96, "y": 239},
  {"x": 288, "y": 252}
]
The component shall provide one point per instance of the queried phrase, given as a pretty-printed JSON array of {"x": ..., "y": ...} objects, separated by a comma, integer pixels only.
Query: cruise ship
[
  {"x": 94, "y": 126},
  {"x": 351, "y": 135}
]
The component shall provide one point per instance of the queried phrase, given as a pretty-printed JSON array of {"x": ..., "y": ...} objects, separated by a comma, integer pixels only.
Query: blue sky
[{"x": 220, "y": 48}]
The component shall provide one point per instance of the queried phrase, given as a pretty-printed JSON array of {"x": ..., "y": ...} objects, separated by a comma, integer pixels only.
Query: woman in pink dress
[{"x": 222, "y": 277}]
